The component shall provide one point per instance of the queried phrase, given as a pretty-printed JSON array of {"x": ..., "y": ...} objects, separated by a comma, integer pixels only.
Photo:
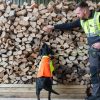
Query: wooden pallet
[{"x": 28, "y": 91}]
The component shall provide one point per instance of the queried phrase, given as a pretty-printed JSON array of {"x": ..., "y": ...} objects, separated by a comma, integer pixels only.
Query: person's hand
[
  {"x": 96, "y": 45},
  {"x": 48, "y": 28}
]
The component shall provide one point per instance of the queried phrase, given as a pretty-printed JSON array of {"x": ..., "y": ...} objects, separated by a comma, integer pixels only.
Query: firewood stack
[{"x": 21, "y": 36}]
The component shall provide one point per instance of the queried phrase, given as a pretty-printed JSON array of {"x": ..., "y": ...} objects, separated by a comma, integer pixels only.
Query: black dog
[{"x": 44, "y": 82}]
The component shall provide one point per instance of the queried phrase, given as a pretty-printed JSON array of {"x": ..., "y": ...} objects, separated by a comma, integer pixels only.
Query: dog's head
[{"x": 45, "y": 50}]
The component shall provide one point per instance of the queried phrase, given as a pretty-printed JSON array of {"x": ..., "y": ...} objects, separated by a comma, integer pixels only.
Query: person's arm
[
  {"x": 68, "y": 26},
  {"x": 64, "y": 26}
]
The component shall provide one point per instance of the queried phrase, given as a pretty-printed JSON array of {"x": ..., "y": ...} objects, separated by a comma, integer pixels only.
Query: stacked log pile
[{"x": 21, "y": 37}]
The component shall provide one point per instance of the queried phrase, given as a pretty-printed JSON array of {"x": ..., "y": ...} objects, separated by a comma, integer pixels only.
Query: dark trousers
[{"x": 94, "y": 59}]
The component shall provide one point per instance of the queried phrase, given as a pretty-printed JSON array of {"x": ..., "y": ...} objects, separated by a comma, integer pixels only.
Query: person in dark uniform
[{"x": 90, "y": 22}]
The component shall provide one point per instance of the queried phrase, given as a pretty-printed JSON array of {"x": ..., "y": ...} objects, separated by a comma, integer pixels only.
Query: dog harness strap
[{"x": 44, "y": 67}]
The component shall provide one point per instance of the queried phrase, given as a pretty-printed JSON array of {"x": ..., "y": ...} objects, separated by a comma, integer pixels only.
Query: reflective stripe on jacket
[{"x": 45, "y": 67}]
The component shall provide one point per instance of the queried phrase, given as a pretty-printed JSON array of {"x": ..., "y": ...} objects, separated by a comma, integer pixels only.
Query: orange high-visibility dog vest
[{"x": 44, "y": 67}]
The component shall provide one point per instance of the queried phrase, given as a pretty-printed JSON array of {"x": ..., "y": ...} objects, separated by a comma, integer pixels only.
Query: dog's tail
[{"x": 54, "y": 92}]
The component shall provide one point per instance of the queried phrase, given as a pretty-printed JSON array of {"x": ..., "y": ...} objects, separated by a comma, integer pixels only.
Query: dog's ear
[
  {"x": 43, "y": 50},
  {"x": 40, "y": 52}
]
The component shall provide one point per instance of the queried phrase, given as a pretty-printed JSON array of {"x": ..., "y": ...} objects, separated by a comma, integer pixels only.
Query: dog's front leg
[{"x": 49, "y": 95}]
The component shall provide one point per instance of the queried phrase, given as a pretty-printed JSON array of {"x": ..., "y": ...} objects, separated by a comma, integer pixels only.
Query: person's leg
[
  {"x": 94, "y": 60},
  {"x": 96, "y": 91}
]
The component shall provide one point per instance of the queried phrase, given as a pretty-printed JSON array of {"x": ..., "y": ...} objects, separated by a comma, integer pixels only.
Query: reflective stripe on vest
[
  {"x": 51, "y": 66},
  {"x": 92, "y": 26},
  {"x": 44, "y": 67}
]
